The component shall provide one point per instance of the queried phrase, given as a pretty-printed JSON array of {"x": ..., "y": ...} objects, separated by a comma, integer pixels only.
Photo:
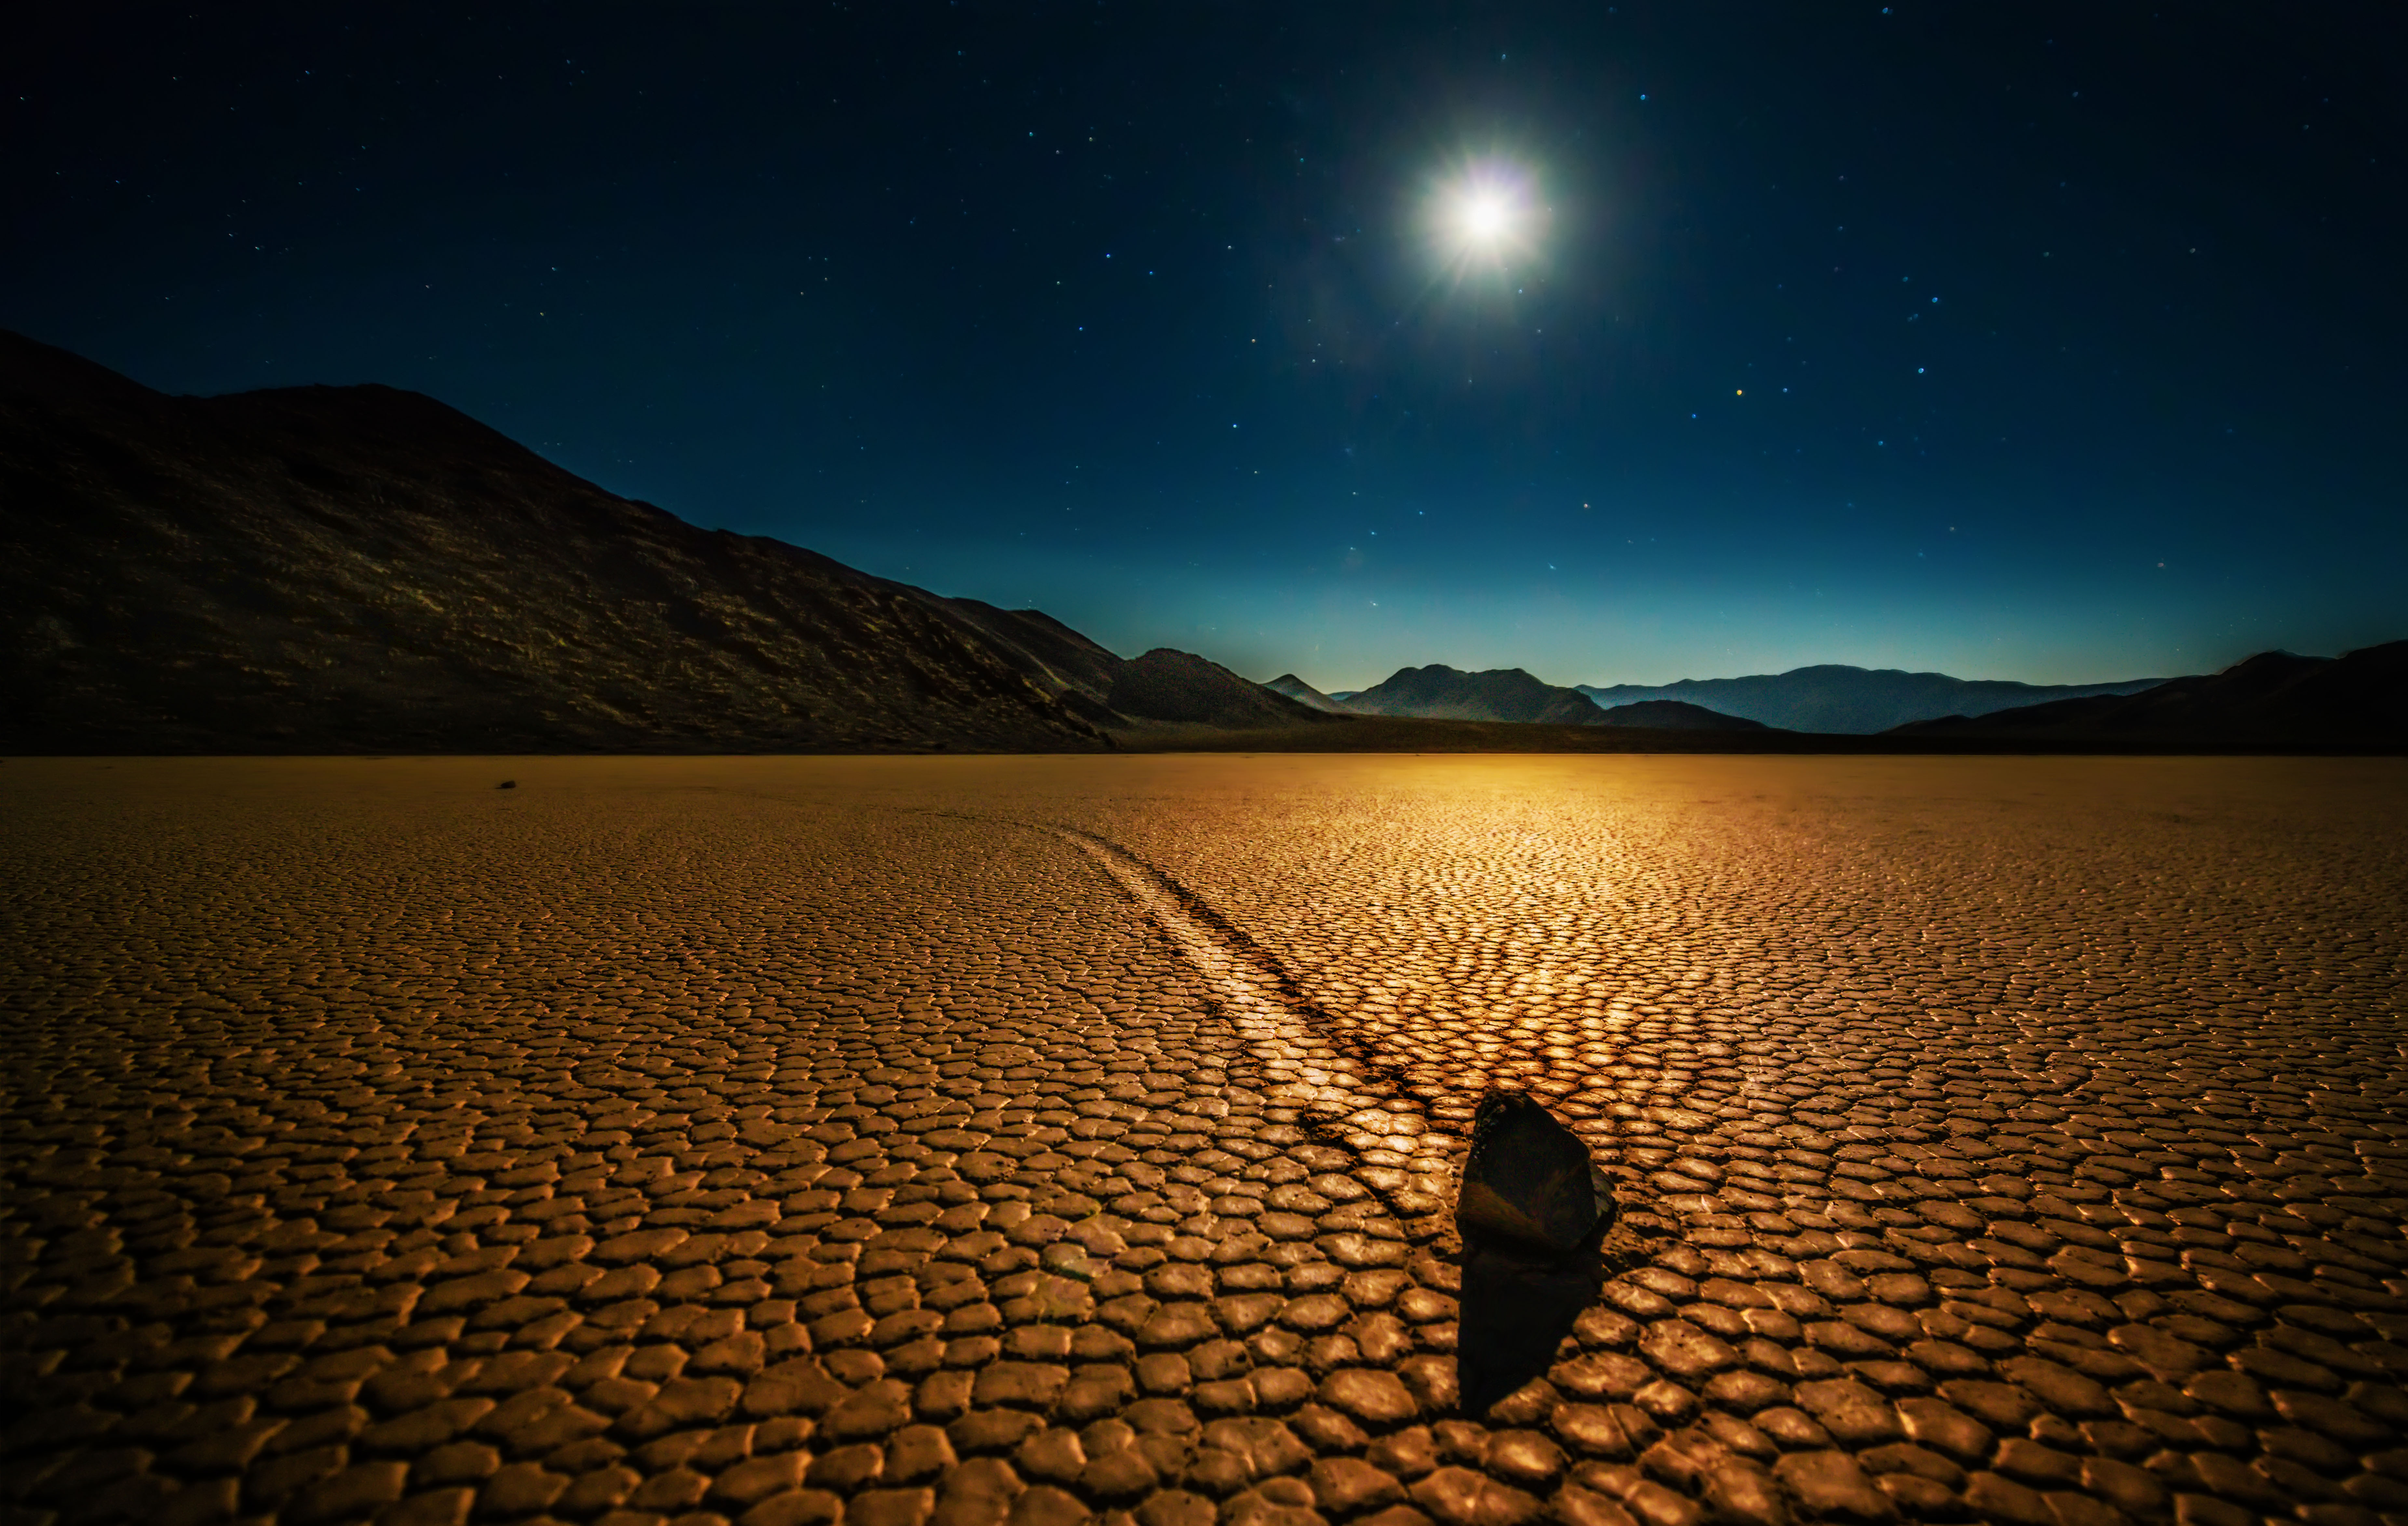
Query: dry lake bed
[{"x": 972, "y": 1141}]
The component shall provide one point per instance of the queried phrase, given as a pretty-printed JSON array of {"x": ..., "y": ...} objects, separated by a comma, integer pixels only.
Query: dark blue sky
[{"x": 2055, "y": 343}]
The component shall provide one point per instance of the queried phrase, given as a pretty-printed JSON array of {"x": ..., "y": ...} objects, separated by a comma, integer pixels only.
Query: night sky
[{"x": 2058, "y": 343}]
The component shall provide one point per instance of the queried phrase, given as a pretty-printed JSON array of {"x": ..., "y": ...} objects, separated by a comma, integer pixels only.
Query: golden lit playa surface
[{"x": 980, "y": 1140}]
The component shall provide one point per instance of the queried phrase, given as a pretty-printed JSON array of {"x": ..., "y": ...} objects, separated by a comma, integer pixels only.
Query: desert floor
[{"x": 968, "y": 1139}]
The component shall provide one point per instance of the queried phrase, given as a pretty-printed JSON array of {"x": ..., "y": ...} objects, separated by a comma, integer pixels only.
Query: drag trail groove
[
  {"x": 1315, "y": 1064},
  {"x": 1318, "y": 1062},
  {"x": 1339, "y": 1089}
]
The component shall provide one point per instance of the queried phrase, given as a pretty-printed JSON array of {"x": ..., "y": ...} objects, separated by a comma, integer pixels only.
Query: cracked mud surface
[{"x": 974, "y": 1141}]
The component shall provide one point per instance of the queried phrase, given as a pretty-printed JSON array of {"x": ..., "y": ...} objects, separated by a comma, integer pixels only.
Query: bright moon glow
[{"x": 1485, "y": 215}]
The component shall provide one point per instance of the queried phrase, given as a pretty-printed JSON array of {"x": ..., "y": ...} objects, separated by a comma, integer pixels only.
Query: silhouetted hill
[
  {"x": 1304, "y": 693},
  {"x": 1073, "y": 669},
  {"x": 1181, "y": 687},
  {"x": 330, "y": 568},
  {"x": 2273, "y": 698},
  {"x": 1672, "y": 715},
  {"x": 1835, "y": 697},
  {"x": 1441, "y": 692}
]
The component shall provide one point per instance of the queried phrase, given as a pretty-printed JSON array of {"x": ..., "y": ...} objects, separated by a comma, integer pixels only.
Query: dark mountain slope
[
  {"x": 1183, "y": 687},
  {"x": 2274, "y": 698},
  {"x": 1075, "y": 670},
  {"x": 1438, "y": 692},
  {"x": 1835, "y": 697},
  {"x": 358, "y": 567},
  {"x": 1672, "y": 715}
]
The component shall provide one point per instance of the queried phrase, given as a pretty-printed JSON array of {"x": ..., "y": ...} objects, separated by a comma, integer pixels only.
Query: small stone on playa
[{"x": 1530, "y": 1182}]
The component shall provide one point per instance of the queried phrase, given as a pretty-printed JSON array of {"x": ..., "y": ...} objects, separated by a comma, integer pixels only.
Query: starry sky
[{"x": 2057, "y": 343}]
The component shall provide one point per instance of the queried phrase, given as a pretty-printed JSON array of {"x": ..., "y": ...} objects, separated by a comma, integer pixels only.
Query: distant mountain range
[
  {"x": 360, "y": 569},
  {"x": 347, "y": 569},
  {"x": 2274, "y": 697},
  {"x": 1441, "y": 692},
  {"x": 1833, "y": 698}
]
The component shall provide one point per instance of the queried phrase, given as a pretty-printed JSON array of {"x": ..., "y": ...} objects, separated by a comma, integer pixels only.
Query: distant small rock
[
  {"x": 507, "y": 783},
  {"x": 1528, "y": 1185}
]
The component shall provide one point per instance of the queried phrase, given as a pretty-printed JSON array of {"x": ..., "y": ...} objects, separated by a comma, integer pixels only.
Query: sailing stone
[{"x": 1528, "y": 1185}]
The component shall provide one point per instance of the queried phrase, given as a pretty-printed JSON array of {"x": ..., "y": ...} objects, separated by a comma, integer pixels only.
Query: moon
[
  {"x": 1484, "y": 214},
  {"x": 1485, "y": 217}
]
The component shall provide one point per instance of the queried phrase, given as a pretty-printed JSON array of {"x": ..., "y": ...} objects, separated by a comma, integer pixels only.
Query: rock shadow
[
  {"x": 1532, "y": 1213},
  {"x": 1514, "y": 1311}
]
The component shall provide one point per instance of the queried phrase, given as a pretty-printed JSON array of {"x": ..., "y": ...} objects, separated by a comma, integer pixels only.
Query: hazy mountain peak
[
  {"x": 1439, "y": 692},
  {"x": 1839, "y": 698},
  {"x": 1181, "y": 687},
  {"x": 1305, "y": 694}
]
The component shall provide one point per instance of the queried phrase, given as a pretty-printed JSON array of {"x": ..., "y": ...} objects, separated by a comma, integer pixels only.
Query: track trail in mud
[{"x": 1313, "y": 1063}]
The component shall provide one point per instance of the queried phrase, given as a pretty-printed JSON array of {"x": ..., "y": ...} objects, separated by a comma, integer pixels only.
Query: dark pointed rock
[
  {"x": 1528, "y": 1185},
  {"x": 1532, "y": 1211}
]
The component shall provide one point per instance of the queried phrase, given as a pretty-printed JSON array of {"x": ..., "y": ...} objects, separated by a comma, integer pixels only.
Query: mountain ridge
[
  {"x": 1675, "y": 714},
  {"x": 1844, "y": 699},
  {"x": 1438, "y": 692},
  {"x": 2359, "y": 698},
  {"x": 1512, "y": 695},
  {"x": 366, "y": 569}
]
